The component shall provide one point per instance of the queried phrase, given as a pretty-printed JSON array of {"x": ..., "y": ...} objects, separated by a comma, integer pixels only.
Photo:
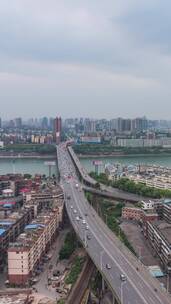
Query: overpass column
[
  {"x": 103, "y": 285},
  {"x": 114, "y": 300}
]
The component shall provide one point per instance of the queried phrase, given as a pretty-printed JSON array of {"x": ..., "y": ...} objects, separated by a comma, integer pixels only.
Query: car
[
  {"x": 71, "y": 207},
  {"x": 86, "y": 214},
  {"x": 75, "y": 211},
  {"x": 77, "y": 218},
  {"x": 88, "y": 237},
  {"x": 87, "y": 227},
  {"x": 56, "y": 273},
  {"x": 108, "y": 266},
  {"x": 68, "y": 197},
  {"x": 122, "y": 277},
  {"x": 84, "y": 222}
]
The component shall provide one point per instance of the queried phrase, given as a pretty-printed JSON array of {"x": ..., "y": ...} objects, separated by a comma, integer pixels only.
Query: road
[
  {"x": 114, "y": 194},
  {"x": 103, "y": 247},
  {"x": 42, "y": 286},
  {"x": 104, "y": 190}
]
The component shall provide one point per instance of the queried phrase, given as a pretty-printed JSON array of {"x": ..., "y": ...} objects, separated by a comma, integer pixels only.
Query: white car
[
  {"x": 108, "y": 266},
  {"x": 122, "y": 277},
  {"x": 87, "y": 227},
  {"x": 84, "y": 222},
  {"x": 77, "y": 218},
  {"x": 75, "y": 211}
]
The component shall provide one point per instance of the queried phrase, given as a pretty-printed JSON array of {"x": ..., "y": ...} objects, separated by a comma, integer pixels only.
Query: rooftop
[
  {"x": 33, "y": 231},
  {"x": 13, "y": 299},
  {"x": 165, "y": 229},
  {"x": 2, "y": 231}
]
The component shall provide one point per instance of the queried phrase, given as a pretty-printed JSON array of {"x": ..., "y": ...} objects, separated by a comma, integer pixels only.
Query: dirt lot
[
  {"x": 41, "y": 299},
  {"x": 140, "y": 244},
  {"x": 142, "y": 247}
]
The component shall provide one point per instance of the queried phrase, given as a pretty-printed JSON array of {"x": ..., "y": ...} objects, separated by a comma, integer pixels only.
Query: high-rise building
[
  {"x": 139, "y": 124},
  {"x": 57, "y": 129},
  {"x": 51, "y": 123},
  {"x": 18, "y": 122},
  {"x": 89, "y": 126},
  {"x": 44, "y": 123}
]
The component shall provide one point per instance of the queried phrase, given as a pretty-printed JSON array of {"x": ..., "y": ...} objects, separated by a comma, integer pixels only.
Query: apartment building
[
  {"x": 144, "y": 143},
  {"x": 160, "y": 182},
  {"x": 25, "y": 254},
  {"x": 159, "y": 235},
  {"x": 131, "y": 213},
  {"x": 139, "y": 215},
  {"x": 167, "y": 210},
  {"x": 10, "y": 227}
]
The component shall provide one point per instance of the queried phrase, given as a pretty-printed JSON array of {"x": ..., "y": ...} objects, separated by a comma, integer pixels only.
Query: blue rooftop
[
  {"x": 5, "y": 223},
  {"x": 156, "y": 272},
  {"x": 2, "y": 231},
  {"x": 8, "y": 205},
  {"x": 167, "y": 201},
  {"x": 33, "y": 226}
]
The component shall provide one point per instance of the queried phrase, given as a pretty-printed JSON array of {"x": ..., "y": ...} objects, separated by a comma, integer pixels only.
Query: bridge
[
  {"x": 109, "y": 255},
  {"x": 105, "y": 191}
]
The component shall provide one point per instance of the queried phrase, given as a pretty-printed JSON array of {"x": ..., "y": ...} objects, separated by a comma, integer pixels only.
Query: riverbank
[
  {"x": 106, "y": 150},
  {"x": 27, "y": 156},
  {"x": 103, "y": 155}
]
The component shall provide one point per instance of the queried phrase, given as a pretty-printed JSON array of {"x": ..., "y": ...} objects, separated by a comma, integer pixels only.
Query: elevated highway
[
  {"x": 105, "y": 191},
  {"x": 109, "y": 255}
]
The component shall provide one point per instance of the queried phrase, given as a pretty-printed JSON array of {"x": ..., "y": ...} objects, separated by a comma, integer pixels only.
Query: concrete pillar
[
  {"x": 103, "y": 285},
  {"x": 114, "y": 300}
]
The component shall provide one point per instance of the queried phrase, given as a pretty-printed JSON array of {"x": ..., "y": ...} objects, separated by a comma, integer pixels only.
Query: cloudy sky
[{"x": 98, "y": 58}]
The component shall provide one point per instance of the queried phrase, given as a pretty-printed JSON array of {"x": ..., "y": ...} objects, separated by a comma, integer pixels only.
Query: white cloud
[{"x": 83, "y": 53}]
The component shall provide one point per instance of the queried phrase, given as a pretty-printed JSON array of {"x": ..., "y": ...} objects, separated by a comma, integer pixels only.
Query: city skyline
[{"x": 85, "y": 58}]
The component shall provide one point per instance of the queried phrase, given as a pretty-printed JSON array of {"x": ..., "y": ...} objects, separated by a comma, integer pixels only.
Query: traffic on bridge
[{"x": 129, "y": 280}]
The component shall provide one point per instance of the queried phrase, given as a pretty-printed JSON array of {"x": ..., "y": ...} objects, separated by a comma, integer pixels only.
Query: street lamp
[
  {"x": 168, "y": 279},
  {"x": 106, "y": 218},
  {"x": 140, "y": 253},
  {"x": 101, "y": 259},
  {"x": 85, "y": 237}
]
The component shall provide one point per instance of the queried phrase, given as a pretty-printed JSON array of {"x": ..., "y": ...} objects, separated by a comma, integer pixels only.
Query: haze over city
[{"x": 94, "y": 58}]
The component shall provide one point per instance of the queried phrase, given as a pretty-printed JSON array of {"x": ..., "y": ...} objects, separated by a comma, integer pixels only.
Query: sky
[{"x": 88, "y": 58}]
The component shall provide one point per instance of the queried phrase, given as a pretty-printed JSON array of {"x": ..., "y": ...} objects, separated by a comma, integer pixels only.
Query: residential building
[
  {"x": 159, "y": 235},
  {"x": 139, "y": 215},
  {"x": 146, "y": 205},
  {"x": 24, "y": 255}
]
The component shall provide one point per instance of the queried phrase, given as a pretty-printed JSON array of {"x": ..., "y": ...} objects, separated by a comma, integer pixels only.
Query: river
[
  {"x": 31, "y": 166},
  {"x": 34, "y": 166},
  {"x": 145, "y": 159}
]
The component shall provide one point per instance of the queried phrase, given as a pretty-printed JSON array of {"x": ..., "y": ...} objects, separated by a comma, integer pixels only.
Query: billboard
[
  {"x": 50, "y": 163},
  {"x": 97, "y": 163}
]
